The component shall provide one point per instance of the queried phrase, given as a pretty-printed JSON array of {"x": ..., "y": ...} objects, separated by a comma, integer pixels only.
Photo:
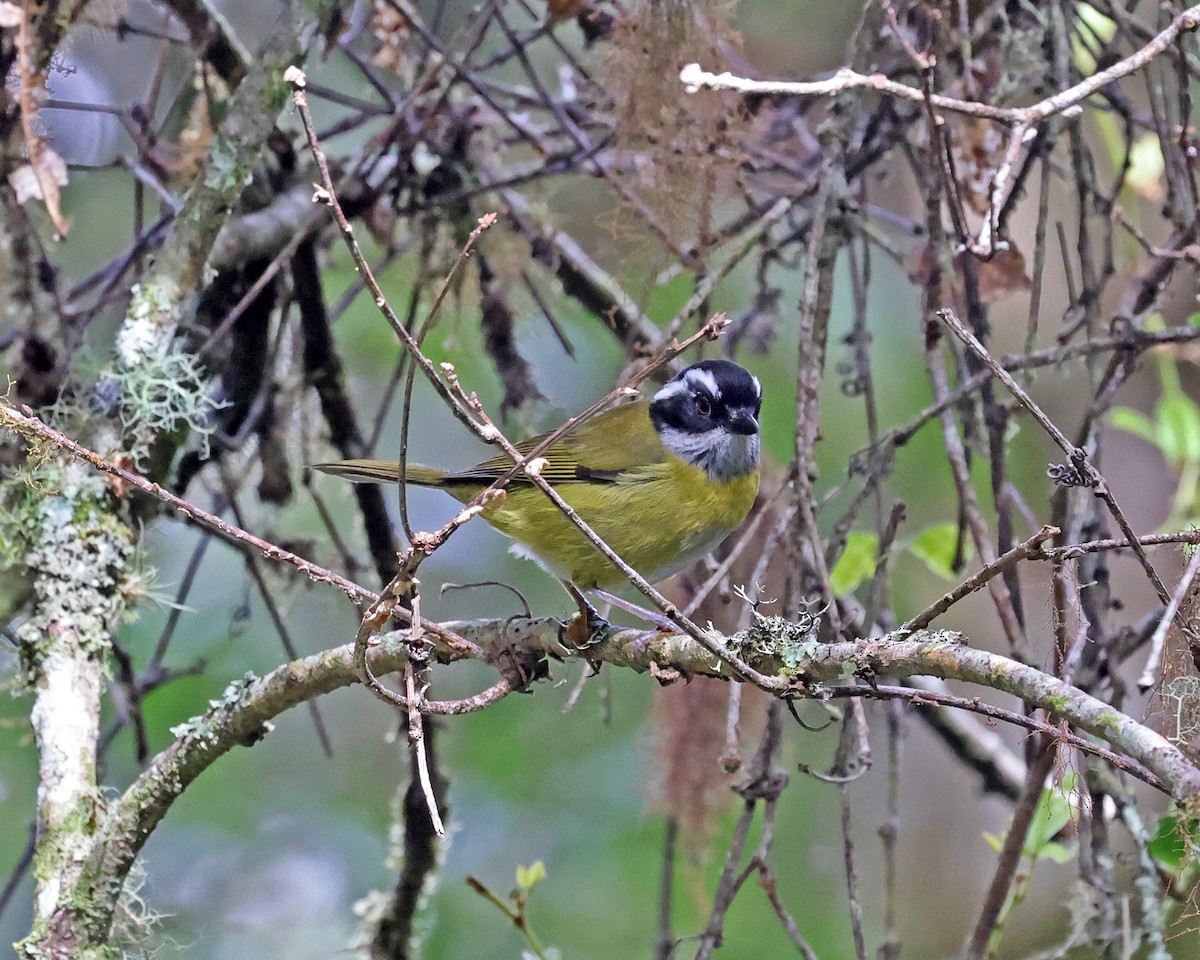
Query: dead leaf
[
  {"x": 43, "y": 182},
  {"x": 560, "y": 10},
  {"x": 25, "y": 184},
  {"x": 49, "y": 169},
  {"x": 1001, "y": 275}
]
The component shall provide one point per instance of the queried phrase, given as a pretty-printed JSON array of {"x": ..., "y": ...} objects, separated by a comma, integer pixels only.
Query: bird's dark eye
[{"x": 703, "y": 407}]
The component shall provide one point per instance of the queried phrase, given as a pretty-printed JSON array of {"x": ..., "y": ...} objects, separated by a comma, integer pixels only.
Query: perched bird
[{"x": 661, "y": 481}]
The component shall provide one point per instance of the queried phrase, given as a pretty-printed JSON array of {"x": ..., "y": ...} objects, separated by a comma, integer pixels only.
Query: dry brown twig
[
  {"x": 470, "y": 412},
  {"x": 1023, "y": 121},
  {"x": 1081, "y": 470}
]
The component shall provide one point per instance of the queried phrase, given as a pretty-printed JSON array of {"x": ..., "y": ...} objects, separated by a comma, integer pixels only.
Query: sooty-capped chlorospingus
[{"x": 661, "y": 481}]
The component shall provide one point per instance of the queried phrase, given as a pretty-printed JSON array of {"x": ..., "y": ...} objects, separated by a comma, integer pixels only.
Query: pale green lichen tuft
[
  {"x": 790, "y": 642},
  {"x": 167, "y": 392},
  {"x": 200, "y": 728},
  {"x": 235, "y": 690},
  {"x": 154, "y": 386},
  {"x": 137, "y": 927}
]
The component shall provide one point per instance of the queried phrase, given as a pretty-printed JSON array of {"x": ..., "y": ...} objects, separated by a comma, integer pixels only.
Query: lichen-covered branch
[
  {"x": 79, "y": 548},
  {"x": 773, "y": 646},
  {"x": 237, "y": 146},
  {"x": 80, "y": 552}
]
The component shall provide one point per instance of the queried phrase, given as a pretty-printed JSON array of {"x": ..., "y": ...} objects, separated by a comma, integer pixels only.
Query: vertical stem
[
  {"x": 665, "y": 946},
  {"x": 856, "y": 913},
  {"x": 66, "y": 726},
  {"x": 1010, "y": 853}
]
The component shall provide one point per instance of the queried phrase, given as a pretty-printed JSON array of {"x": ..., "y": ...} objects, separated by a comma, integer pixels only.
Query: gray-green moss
[{"x": 777, "y": 640}]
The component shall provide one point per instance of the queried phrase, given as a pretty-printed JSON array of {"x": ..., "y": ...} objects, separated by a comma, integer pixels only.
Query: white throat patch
[{"x": 723, "y": 455}]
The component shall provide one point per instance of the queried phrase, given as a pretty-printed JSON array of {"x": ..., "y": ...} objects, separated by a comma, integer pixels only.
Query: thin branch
[
  {"x": 1010, "y": 854},
  {"x": 665, "y": 943},
  {"x": 1150, "y": 674},
  {"x": 1082, "y": 470},
  {"x": 416, "y": 737},
  {"x": 693, "y": 79},
  {"x": 25, "y": 423},
  {"x": 1018, "y": 553}
]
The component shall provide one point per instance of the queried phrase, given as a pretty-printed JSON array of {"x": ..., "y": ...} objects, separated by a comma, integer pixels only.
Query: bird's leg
[
  {"x": 650, "y": 616},
  {"x": 594, "y": 625}
]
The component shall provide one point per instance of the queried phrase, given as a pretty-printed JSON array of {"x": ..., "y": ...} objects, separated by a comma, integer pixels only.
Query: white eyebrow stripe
[
  {"x": 672, "y": 389},
  {"x": 757, "y": 387},
  {"x": 703, "y": 378}
]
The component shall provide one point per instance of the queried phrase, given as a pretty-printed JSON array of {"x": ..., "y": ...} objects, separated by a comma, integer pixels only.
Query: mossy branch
[
  {"x": 244, "y": 715},
  {"x": 77, "y": 608}
]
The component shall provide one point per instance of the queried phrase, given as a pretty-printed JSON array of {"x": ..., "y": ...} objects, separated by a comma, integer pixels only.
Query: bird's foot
[{"x": 587, "y": 628}]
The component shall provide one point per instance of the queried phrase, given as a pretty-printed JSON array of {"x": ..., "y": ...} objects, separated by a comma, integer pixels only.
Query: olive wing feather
[{"x": 602, "y": 449}]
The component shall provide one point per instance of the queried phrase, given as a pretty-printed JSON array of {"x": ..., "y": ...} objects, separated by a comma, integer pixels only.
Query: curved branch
[{"x": 244, "y": 715}]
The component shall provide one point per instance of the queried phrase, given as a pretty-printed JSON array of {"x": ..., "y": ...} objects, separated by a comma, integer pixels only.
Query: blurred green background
[{"x": 267, "y": 854}]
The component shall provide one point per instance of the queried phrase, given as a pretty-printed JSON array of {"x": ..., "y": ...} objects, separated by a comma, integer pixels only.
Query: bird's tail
[{"x": 383, "y": 471}]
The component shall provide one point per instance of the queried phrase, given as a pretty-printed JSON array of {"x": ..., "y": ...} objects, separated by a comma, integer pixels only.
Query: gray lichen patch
[
  {"x": 79, "y": 556},
  {"x": 778, "y": 639}
]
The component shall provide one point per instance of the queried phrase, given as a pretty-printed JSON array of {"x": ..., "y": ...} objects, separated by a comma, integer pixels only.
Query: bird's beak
[{"x": 743, "y": 422}]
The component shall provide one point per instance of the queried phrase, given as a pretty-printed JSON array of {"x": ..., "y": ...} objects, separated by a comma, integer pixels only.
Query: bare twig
[
  {"x": 1150, "y": 673},
  {"x": 24, "y": 422},
  {"x": 1010, "y": 854},
  {"x": 693, "y": 78},
  {"x": 665, "y": 943},
  {"x": 1081, "y": 467},
  {"x": 1018, "y": 553},
  {"x": 416, "y": 737}
]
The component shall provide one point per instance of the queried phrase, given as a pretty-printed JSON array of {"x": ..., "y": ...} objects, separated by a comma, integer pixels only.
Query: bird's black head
[{"x": 708, "y": 415}]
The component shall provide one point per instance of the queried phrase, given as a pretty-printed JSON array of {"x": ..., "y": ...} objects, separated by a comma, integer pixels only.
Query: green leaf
[
  {"x": 857, "y": 562},
  {"x": 1135, "y": 422},
  {"x": 1102, "y": 28},
  {"x": 935, "y": 547},
  {"x": 1105, "y": 28},
  {"x": 1146, "y": 165},
  {"x": 527, "y": 877},
  {"x": 1169, "y": 845},
  {"x": 1179, "y": 429},
  {"x": 1054, "y": 811},
  {"x": 1056, "y": 852}
]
